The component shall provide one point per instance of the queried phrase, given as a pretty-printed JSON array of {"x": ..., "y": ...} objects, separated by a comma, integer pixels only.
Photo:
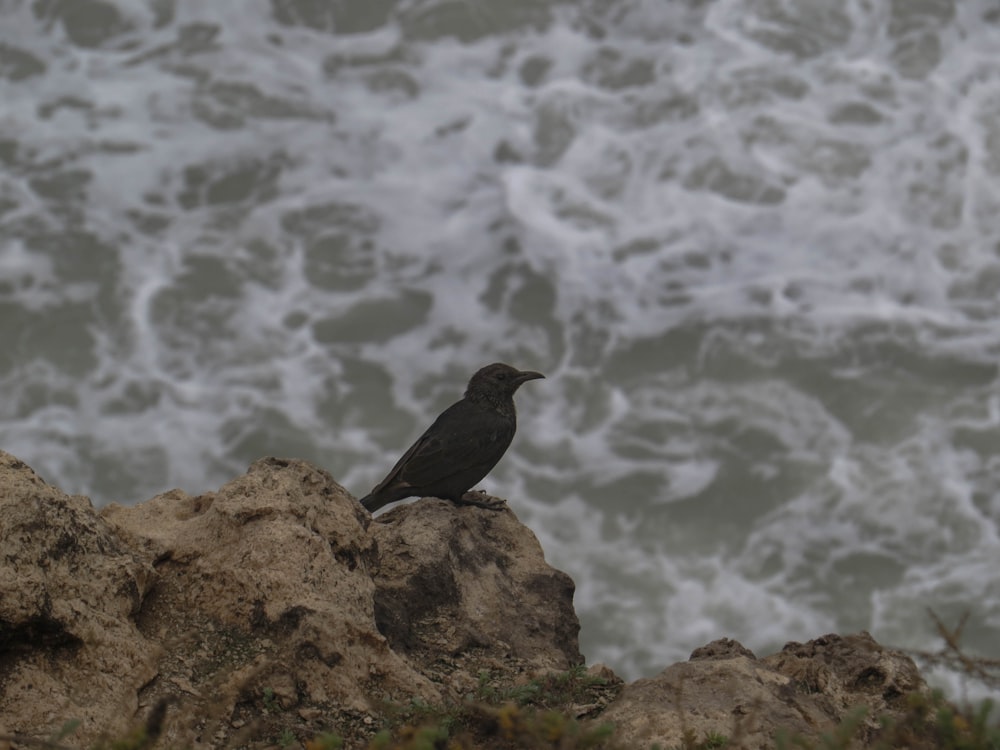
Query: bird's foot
[{"x": 473, "y": 498}]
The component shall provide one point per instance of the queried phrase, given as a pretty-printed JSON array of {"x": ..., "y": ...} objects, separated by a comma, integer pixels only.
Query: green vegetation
[
  {"x": 711, "y": 741},
  {"x": 270, "y": 704},
  {"x": 551, "y": 691},
  {"x": 930, "y": 723},
  {"x": 561, "y": 711},
  {"x": 509, "y": 726},
  {"x": 325, "y": 741},
  {"x": 540, "y": 713}
]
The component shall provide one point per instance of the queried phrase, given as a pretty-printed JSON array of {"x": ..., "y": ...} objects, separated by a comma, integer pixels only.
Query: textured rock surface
[
  {"x": 70, "y": 591},
  {"x": 260, "y": 600},
  {"x": 275, "y": 609},
  {"x": 263, "y": 600},
  {"x": 725, "y": 690},
  {"x": 454, "y": 583}
]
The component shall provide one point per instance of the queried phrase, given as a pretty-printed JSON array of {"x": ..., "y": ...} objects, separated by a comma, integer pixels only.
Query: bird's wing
[{"x": 455, "y": 442}]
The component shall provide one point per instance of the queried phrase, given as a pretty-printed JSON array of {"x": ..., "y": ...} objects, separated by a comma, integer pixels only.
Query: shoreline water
[{"x": 753, "y": 249}]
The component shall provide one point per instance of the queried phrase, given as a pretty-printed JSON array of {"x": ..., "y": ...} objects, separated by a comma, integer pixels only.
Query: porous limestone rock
[
  {"x": 70, "y": 591},
  {"x": 263, "y": 602},
  {"x": 277, "y": 608},
  {"x": 273, "y": 604},
  {"x": 458, "y": 589},
  {"x": 726, "y": 691}
]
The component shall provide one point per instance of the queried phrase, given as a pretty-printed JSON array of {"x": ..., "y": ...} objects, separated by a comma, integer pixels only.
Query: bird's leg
[{"x": 497, "y": 503}]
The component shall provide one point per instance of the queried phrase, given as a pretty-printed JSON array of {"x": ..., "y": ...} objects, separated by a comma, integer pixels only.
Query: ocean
[{"x": 753, "y": 244}]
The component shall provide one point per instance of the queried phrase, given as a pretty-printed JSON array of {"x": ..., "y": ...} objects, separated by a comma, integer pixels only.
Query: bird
[{"x": 462, "y": 445}]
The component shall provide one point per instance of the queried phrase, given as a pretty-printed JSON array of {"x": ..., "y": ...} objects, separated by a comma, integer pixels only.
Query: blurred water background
[{"x": 754, "y": 244}]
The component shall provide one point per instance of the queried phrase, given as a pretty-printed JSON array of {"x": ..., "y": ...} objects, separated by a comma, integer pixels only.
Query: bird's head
[{"x": 499, "y": 381}]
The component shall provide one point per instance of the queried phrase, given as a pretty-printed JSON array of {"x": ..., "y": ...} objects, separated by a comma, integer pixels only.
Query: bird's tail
[{"x": 374, "y": 501}]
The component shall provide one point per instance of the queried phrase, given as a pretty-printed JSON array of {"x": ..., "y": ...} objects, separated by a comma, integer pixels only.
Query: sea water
[{"x": 753, "y": 244}]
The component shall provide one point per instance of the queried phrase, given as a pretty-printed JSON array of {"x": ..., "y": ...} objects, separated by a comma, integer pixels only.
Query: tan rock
[
  {"x": 844, "y": 672},
  {"x": 276, "y": 608},
  {"x": 70, "y": 589},
  {"x": 463, "y": 581},
  {"x": 253, "y": 608},
  {"x": 725, "y": 690},
  {"x": 263, "y": 602}
]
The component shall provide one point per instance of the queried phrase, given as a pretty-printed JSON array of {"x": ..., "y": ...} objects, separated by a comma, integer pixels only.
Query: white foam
[{"x": 762, "y": 287}]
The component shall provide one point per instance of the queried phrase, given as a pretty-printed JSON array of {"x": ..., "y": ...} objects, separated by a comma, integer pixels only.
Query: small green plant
[
  {"x": 690, "y": 741},
  {"x": 270, "y": 703},
  {"x": 556, "y": 690},
  {"x": 487, "y": 692},
  {"x": 325, "y": 741},
  {"x": 546, "y": 729},
  {"x": 929, "y": 723},
  {"x": 498, "y": 716},
  {"x": 932, "y": 722},
  {"x": 714, "y": 740},
  {"x": 65, "y": 730}
]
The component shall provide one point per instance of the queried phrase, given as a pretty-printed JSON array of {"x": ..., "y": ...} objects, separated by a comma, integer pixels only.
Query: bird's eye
[{"x": 501, "y": 376}]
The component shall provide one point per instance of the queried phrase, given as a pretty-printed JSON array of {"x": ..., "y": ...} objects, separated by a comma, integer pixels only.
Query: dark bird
[{"x": 462, "y": 445}]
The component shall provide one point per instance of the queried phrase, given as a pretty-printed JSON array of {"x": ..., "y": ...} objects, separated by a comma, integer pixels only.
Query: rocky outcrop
[
  {"x": 71, "y": 591},
  {"x": 805, "y": 689},
  {"x": 458, "y": 584},
  {"x": 277, "y": 593},
  {"x": 262, "y": 601},
  {"x": 276, "y": 609}
]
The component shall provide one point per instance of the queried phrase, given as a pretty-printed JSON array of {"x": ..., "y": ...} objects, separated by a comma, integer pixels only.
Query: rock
[
  {"x": 259, "y": 602},
  {"x": 844, "y": 672},
  {"x": 725, "y": 690},
  {"x": 276, "y": 608},
  {"x": 723, "y": 648},
  {"x": 448, "y": 590},
  {"x": 263, "y": 603},
  {"x": 70, "y": 592}
]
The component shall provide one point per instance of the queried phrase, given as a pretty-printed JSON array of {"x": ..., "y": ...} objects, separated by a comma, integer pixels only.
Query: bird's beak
[{"x": 525, "y": 375}]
